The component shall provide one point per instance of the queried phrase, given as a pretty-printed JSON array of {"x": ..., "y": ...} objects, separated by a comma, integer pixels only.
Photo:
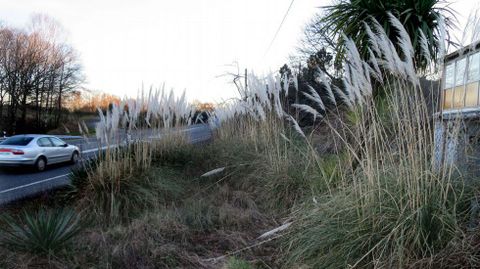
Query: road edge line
[{"x": 33, "y": 183}]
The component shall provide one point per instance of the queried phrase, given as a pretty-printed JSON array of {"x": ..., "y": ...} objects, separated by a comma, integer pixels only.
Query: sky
[{"x": 186, "y": 44}]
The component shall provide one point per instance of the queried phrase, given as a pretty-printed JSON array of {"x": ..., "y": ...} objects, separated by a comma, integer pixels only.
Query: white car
[{"x": 37, "y": 151}]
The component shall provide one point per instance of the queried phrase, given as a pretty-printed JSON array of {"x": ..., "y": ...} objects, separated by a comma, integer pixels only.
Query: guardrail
[
  {"x": 69, "y": 137},
  {"x": 63, "y": 137}
]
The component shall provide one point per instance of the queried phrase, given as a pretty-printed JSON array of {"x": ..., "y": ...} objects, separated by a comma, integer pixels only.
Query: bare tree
[
  {"x": 315, "y": 38},
  {"x": 37, "y": 70}
]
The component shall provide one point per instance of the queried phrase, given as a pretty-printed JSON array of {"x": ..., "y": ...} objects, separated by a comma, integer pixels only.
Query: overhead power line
[{"x": 279, "y": 28}]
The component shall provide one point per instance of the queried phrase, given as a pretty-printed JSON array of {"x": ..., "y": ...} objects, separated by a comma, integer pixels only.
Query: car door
[
  {"x": 47, "y": 149},
  {"x": 62, "y": 153}
]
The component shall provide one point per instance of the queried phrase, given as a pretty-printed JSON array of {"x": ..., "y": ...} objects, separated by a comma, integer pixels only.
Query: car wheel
[
  {"x": 40, "y": 164},
  {"x": 75, "y": 157}
]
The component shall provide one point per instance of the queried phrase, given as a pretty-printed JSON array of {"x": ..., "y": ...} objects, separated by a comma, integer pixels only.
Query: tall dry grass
[
  {"x": 392, "y": 206},
  {"x": 387, "y": 204},
  {"x": 121, "y": 182}
]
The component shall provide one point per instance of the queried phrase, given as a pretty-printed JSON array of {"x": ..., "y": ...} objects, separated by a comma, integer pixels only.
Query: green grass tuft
[{"x": 237, "y": 263}]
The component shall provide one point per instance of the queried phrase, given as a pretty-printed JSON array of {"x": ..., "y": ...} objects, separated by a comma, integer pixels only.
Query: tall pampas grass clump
[
  {"x": 132, "y": 133},
  {"x": 393, "y": 206}
]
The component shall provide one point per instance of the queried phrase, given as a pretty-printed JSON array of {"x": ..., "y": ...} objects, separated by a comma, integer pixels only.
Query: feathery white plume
[
  {"x": 213, "y": 172},
  {"x": 308, "y": 109}
]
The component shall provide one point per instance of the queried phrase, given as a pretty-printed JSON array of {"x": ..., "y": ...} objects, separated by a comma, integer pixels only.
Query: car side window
[
  {"x": 57, "y": 142},
  {"x": 44, "y": 142}
]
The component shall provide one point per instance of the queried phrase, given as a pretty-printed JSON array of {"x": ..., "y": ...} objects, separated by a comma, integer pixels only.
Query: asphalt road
[{"x": 18, "y": 183}]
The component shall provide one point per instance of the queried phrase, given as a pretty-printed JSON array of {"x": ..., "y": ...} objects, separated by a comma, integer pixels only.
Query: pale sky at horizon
[{"x": 187, "y": 44}]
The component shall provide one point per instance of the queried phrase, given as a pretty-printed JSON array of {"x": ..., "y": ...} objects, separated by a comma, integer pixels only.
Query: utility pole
[
  {"x": 246, "y": 80},
  {"x": 297, "y": 114}
]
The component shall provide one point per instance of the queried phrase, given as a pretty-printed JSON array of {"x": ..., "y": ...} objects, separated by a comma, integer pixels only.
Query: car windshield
[{"x": 17, "y": 141}]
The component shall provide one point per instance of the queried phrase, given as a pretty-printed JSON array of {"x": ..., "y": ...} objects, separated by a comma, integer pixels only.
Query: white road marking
[{"x": 33, "y": 183}]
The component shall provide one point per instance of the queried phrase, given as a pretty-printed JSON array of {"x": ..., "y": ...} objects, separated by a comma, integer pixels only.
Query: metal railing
[{"x": 63, "y": 137}]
